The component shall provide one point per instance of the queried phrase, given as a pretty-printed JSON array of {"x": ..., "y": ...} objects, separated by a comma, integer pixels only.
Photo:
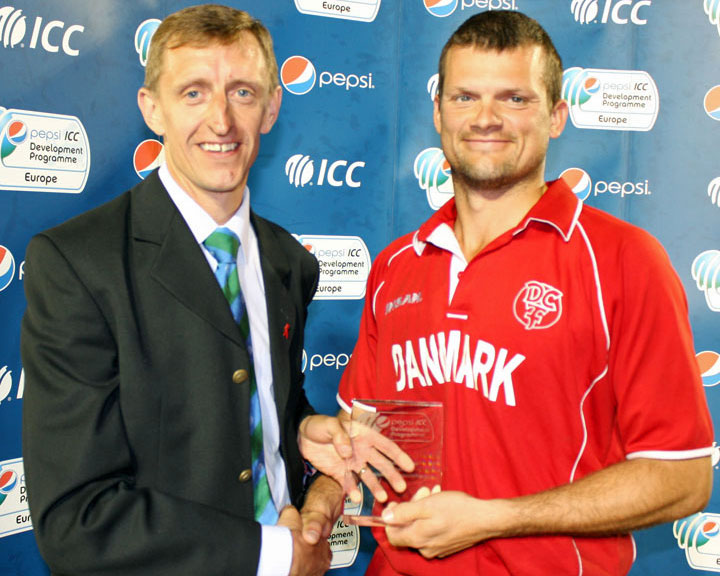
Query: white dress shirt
[{"x": 276, "y": 548}]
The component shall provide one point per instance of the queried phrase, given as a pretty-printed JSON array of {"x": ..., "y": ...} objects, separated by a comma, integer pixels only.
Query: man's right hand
[{"x": 308, "y": 559}]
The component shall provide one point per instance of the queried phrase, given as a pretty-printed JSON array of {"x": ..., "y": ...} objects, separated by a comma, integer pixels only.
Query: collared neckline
[
  {"x": 558, "y": 208},
  {"x": 201, "y": 224}
]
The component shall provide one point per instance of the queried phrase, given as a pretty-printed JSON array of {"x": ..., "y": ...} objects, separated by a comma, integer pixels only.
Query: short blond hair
[{"x": 204, "y": 25}]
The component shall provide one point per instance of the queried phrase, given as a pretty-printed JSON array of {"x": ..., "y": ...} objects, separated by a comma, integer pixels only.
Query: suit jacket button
[
  {"x": 245, "y": 475},
  {"x": 240, "y": 376}
]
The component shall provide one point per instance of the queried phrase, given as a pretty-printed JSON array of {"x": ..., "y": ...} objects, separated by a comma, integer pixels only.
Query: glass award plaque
[{"x": 416, "y": 428}]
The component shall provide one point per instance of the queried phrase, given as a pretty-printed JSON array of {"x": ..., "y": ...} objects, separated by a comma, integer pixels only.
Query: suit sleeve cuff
[{"x": 275, "y": 551}]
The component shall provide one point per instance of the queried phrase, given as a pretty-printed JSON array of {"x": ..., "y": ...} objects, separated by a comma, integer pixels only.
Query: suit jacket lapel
[
  {"x": 280, "y": 310},
  {"x": 180, "y": 266}
]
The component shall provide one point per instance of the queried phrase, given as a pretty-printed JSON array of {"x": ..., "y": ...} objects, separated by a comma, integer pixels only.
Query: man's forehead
[
  {"x": 244, "y": 59},
  {"x": 526, "y": 60}
]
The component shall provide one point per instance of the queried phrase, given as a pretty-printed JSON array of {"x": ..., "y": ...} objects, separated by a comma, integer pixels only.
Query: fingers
[
  {"x": 351, "y": 488},
  {"x": 391, "y": 450},
  {"x": 368, "y": 478}
]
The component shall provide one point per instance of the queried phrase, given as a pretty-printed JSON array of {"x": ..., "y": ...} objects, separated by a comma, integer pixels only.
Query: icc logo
[
  {"x": 538, "y": 305},
  {"x": 705, "y": 269},
  {"x": 433, "y": 174},
  {"x": 586, "y": 11},
  {"x": 300, "y": 170},
  {"x": 143, "y": 36},
  {"x": 13, "y": 29}
]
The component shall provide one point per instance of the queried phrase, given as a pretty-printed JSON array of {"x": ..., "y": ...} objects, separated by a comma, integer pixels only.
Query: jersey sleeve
[{"x": 662, "y": 410}]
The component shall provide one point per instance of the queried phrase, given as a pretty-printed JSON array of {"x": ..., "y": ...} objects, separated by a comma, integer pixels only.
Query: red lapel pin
[{"x": 286, "y": 332}]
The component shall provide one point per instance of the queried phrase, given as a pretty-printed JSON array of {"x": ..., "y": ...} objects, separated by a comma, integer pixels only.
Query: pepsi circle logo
[
  {"x": 149, "y": 154},
  {"x": 7, "y": 268},
  {"x": 8, "y": 481},
  {"x": 17, "y": 132},
  {"x": 298, "y": 75},
  {"x": 712, "y": 103},
  {"x": 579, "y": 182},
  {"x": 440, "y": 8}
]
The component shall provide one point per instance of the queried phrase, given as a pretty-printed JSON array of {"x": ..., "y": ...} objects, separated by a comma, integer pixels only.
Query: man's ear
[
  {"x": 150, "y": 109},
  {"x": 272, "y": 109},
  {"x": 558, "y": 118}
]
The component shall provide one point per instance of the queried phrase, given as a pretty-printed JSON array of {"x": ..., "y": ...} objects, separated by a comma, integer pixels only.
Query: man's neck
[{"x": 484, "y": 215}]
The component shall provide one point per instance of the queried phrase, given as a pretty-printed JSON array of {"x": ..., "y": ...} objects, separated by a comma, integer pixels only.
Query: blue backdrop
[{"x": 354, "y": 162}]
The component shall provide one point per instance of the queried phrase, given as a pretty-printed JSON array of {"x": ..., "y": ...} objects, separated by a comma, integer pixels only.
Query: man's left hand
[{"x": 438, "y": 525}]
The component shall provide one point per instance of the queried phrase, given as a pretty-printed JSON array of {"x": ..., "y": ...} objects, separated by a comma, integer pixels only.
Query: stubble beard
[{"x": 475, "y": 176}]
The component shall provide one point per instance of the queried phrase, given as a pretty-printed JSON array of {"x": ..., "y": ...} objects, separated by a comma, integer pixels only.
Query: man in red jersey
[{"x": 555, "y": 335}]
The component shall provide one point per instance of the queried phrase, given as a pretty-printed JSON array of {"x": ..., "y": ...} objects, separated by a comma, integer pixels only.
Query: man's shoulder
[
  {"x": 612, "y": 233},
  {"x": 404, "y": 246}
]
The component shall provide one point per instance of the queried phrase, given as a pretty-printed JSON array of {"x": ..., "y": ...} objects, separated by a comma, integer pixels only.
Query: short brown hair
[
  {"x": 503, "y": 30},
  {"x": 203, "y": 25}
]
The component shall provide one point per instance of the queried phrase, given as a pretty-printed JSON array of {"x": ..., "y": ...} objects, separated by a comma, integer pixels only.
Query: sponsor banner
[
  {"x": 611, "y": 99},
  {"x": 43, "y": 152},
  {"x": 14, "y": 511},
  {"x": 359, "y": 10},
  {"x": 344, "y": 265}
]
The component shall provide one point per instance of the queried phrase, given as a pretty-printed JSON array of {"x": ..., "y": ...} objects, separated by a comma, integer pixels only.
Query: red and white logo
[{"x": 538, "y": 305}]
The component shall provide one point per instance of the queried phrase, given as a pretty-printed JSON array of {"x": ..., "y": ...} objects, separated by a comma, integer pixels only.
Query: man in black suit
[{"x": 136, "y": 411}]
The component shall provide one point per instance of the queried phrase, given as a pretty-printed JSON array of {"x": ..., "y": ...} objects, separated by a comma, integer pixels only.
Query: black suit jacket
[{"x": 135, "y": 432}]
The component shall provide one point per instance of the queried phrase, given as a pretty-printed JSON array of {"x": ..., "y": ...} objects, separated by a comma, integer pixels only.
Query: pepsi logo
[
  {"x": 7, "y": 268},
  {"x": 8, "y": 481},
  {"x": 17, "y": 132},
  {"x": 298, "y": 75},
  {"x": 149, "y": 154},
  {"x": 440, "y": 8},
  {"x": 579, "y": 182},
  {"x": 712, "y": 103}
]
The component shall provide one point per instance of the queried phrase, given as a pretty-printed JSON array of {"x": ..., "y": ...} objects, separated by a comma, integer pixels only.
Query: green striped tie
[{"x": 223, "y": 244}]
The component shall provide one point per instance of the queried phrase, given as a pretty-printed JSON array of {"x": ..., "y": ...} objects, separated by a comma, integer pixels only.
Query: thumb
[
  {"x": 290, "y": 517},
  {"x": 398, "y": 514}
]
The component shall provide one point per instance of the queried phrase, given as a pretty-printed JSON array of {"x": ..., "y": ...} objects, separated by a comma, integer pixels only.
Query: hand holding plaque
[{"x": 414, "y": 427}]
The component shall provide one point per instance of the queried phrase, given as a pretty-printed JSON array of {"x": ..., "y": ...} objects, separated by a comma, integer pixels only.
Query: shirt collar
[
  {"x": 199, "y": 221},
  {"x": 558, "y": 208}
]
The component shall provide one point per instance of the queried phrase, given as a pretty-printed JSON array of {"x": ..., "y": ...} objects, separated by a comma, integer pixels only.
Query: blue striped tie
[{"x": 223, "y": 244}]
